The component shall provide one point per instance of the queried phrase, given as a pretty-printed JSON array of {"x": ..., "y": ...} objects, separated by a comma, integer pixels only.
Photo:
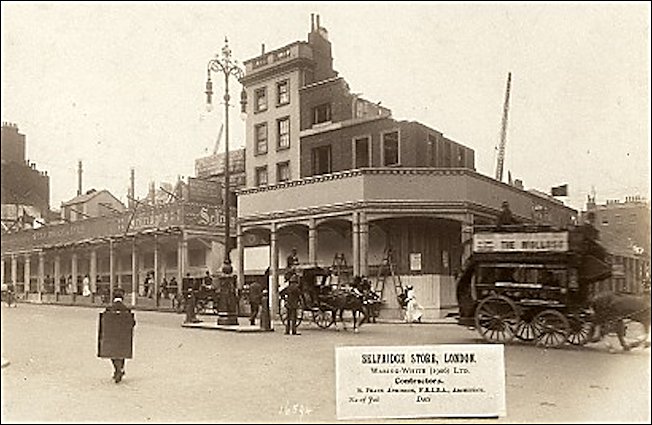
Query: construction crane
[{"x": 503, "y": 132}]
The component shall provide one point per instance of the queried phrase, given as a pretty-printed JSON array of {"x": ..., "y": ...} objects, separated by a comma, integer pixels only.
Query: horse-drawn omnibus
[{"x": 532, "y": 283}]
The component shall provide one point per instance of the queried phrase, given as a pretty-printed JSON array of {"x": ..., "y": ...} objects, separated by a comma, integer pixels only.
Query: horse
[
  {"x": 338, "y": 301},
  {"x": 611, "y": 309}
]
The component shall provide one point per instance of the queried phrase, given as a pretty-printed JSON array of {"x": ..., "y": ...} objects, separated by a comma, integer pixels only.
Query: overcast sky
[{"x": 122, "y": 85}]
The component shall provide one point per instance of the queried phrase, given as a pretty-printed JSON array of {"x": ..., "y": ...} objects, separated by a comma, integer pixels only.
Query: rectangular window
[
  {"x": 461, "y": 157},
  {"x": 447, "y": 155},
  {"x": 283, "y": 133},
  {"x": 321, "y": 113},
  {"x": 361, "y": 152},
  {"x": 261, "y": 138},
  {"x": 261, "y": 176},
  {"x": 390, "y": 148},
  {"x": 321, "y": 160},
  {"x": 432, "y": 150},
  {"x": 283, "y": 93},
  {"x": 260, "y": 98},
  {"x": 283, "y": 171}
]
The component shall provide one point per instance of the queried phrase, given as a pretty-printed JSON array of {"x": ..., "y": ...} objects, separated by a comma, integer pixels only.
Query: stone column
[
  {"x": 57, "y": 274},
  {"x": 74, "y": 272},
  {"x": 27, "y": 274},
  {"x": 312, "y": 242},
  {"x": 111, "y": 269},
  {"x": 182, "y": 260},
  {"x": 41, "y": 274},
  {"x": 14, "y": 271},
  {"x": 355, "y": 237},
  {"x": 179, "y": 265},
  {"x": 466, "y": 234},
  {"x": 93, "y": 270},
  {"x": 273, "y": 252},
  {"x": 364, "y": 244},
  {"x": 241, "y": 253},
  {"x": 134, "y": 272},
  {"x": 156, "y": 276},
  {"x": 118, "y": 269},
  {"x": 141, "y": 269}
]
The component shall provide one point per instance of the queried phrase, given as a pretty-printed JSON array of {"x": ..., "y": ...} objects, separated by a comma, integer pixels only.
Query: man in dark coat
[
  {"x": 506, "y": 218},
  {"x": 117, "y": 341},
  {"x": 292, "y": 260},
  {"x": 292, "y": 295},
  {"x": 255, "y": 298}
]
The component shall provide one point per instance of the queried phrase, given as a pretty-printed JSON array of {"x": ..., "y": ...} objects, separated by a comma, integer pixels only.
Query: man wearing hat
[
  {"x": 116, "y": 334},
  {"x": 292, "y": 294}
]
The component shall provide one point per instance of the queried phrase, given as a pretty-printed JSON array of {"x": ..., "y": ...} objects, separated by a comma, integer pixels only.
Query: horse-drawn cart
[
  {"x": 532, "y": 283},
  {"x": 322, "y": 301},
  {"x": 314, "y": 284}
]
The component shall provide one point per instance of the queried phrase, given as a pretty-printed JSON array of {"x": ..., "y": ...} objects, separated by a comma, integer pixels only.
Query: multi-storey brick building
[
  {"x": 330, "y": 173},
  {"x": 625, "y": 233},
  {"x": 25, "y": 190}
]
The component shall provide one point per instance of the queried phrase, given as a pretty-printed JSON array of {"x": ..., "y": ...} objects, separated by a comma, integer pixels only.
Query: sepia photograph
[{"x": 325, "y": 212}]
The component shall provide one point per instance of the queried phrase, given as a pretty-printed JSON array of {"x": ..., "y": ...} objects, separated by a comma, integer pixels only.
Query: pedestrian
[
  {"x": 116, "y": 334},
  {"x": 149, "y": 285},
  {"x": 292, "y": 295},
  {"x": 206, "y": 284},
  {"x": 292, "y": 260},
  {"x": 413, "y": 310},
  {"x": 191, "y": 314},
  {"x": 164, "y": 288},
  {"x": 9, "y": 296},
  {"x": 506, "y": 218},
  {"x": 255, "y": 298},
  {"x": 86, "y": 283}
]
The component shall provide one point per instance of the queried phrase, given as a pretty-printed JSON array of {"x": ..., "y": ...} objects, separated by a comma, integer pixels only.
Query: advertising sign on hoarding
[{"x": 521, "y": 242}]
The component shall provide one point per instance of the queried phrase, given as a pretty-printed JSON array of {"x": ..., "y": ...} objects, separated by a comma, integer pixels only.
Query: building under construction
[{"x": 330, "y": 173}]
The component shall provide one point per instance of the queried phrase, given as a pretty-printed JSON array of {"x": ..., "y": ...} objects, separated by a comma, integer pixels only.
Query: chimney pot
[
  {"x": 312, "y": 22},
  {"x": 318, "y": 25},
  {"x": 262, "y": 49}
]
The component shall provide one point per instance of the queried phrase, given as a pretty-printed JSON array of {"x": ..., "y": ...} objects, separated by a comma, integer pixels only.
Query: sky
[{"x": 121, "y": 85}]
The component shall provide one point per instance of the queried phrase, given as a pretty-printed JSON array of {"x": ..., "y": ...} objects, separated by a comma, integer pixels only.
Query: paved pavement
[{"x": 190, "y": 375}]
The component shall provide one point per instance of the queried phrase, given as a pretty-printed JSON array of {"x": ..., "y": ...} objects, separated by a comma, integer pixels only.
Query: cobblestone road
[{"x": 193, "y": 375}]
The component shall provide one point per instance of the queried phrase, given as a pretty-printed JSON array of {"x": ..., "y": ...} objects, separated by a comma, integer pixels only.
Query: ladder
[{"x": 385, "y": 271}]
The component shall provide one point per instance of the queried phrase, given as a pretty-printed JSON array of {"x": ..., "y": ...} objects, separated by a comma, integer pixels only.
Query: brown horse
[
  {"x": 611, "y": 309},
  {"x": 338, "y": 301}
]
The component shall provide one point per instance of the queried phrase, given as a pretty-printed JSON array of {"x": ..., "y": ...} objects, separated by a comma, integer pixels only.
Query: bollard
[{"x": 265, "y": 322}]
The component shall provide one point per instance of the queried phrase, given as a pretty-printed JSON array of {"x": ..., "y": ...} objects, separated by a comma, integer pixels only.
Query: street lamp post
[{"x": 227, "y": 311}]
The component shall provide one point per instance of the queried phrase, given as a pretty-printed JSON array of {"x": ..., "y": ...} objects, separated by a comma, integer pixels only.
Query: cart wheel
[
  {"x": 323, "y": 318},
  {"x": 496, "y": 319},
  {"x": 552, "y": 328},
  {"x": 525, "y": 331},
  {"x": 581, "y": 330}
]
